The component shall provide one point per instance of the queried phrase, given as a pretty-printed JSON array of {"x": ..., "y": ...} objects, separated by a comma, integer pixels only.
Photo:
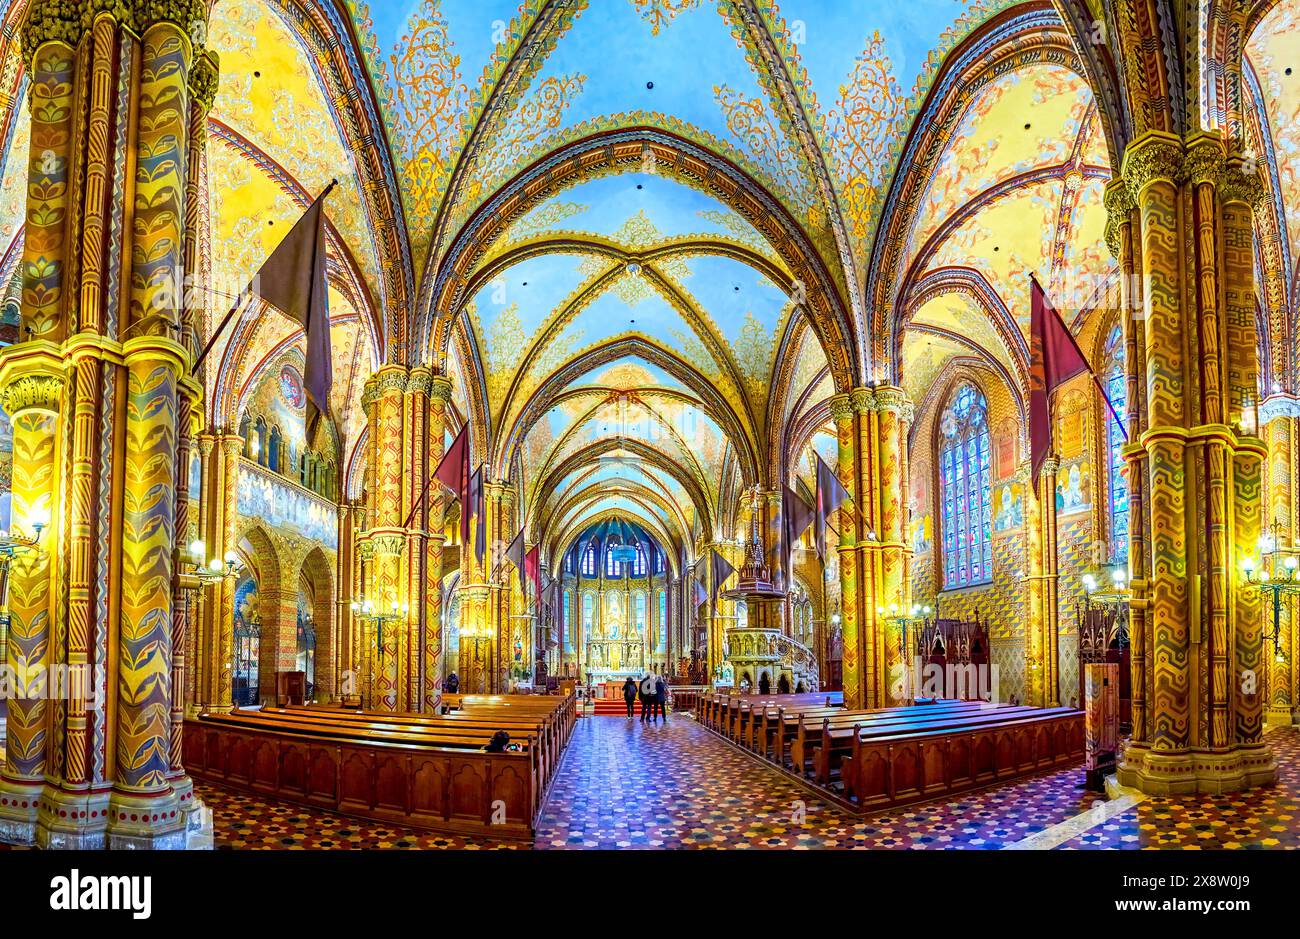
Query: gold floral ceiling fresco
[{"x": 630, "y": 331}]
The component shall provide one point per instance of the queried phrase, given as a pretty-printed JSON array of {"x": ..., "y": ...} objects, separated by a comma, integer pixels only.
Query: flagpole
[{"x": 239, "y": 302}]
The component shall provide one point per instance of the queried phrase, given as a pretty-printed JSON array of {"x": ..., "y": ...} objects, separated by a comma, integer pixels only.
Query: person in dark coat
[
  {"x": 629, "y": 696},
  {"x": 646, "y": 691},
  {"x": 453, "y": 683},
  {"x": 661, "y": 698}
]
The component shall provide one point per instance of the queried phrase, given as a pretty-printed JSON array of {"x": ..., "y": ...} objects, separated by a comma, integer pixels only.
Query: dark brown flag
[{"x": 293, "y": 281}]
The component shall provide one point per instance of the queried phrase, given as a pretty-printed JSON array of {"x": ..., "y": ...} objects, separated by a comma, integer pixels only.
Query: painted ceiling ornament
[
  {"x": 659, "y": 13},
  {"x": 862, "y": 128}
]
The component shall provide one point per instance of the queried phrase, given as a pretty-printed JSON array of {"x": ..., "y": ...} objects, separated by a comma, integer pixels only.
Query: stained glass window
[
  {"x": 638, "y": 566},
  {"x": 589, "y": 561},
  {"x": 611, "y": 565},
  {"x": 1116, "y": 468},
  {"x": 965, "y": 488}
]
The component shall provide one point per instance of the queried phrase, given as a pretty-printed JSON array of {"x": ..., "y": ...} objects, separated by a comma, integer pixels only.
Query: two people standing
[{"x": 654, "y": 698}]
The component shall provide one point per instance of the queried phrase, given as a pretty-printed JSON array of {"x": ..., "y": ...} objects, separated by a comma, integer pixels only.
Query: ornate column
[
  {"x": 216, "y": 627},
  {"x": 1278, "y": 425},
  {"x": 439, "y": 398},
  {"x": 345, "y": 575},
  {"x": 385, "y": 401},
  {"x": 1041, "y": 626},
  {"x": 1197, "y": 647},
  {"x": 851, "y": 612},
  {"x": 892, "y": 414},
  {"x": 32, "y": 403},
  {"x": 113, "y": 91}
]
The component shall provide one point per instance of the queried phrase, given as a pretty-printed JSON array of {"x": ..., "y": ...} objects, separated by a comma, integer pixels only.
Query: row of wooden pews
[
  {"x": 418, "y": 770},
  {"x": 892, "y": 756}
]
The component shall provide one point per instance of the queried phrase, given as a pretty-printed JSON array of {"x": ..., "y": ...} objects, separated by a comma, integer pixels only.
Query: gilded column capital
[
  {"x": 205, "y": 78},
  {"x": 189, "y": 15},
  {"x": 893, "y": 399},
  {"x": 420, "y": 380},
  {"x": 863, "y": 400},
  {"x": 1242, "y": 183},
  {"x": 1152, "y": 157},
  {"x": 50, "y": 21},
  {"x": 841, "y": 408},
  {"x": 1119, "y": 206},
  {"x": 387, "y": 544},
  {"x": 370, "y": 392},
  {"x": 391, "y": 379},
  {"x": 1203, "y": 161},
  {"x": 32, "y": 392},
  {"x": 440, "y": 388}
]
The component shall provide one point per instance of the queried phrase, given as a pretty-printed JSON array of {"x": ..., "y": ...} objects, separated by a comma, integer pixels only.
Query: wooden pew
[
  {"x": 836, "y": 742},
  {"x": 799, "y": 731},
  {"x": 435, "y": 777},
  {"x": 520, "y": 726},
  {"x": 835, "y": 736},
  {"x": 891, "y": 770}
]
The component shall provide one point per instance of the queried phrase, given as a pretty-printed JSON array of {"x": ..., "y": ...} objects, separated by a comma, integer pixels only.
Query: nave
[{"x": 623, "y": 784}]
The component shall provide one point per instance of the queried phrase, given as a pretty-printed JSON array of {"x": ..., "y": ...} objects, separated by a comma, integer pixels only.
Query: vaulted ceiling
[{"x": 650, "y": 239}]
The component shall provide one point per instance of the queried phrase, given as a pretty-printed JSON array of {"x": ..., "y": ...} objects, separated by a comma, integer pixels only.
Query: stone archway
[
  {"x": 260, "y": 555},
  {"x": 316, "y": 573}
]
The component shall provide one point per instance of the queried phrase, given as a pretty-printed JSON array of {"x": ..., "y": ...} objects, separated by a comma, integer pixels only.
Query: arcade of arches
[{"x": 655, "y": 298}]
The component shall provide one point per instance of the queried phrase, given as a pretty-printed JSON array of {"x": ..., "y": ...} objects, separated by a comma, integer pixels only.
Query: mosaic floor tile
[{"x": 625, "y": 785}]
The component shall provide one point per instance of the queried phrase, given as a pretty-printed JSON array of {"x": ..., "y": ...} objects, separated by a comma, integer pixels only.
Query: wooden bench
[
  {"x": 836, "y": 738},
  {"x": 809, "y": 727},
  {"x": 891, "y": 770},
  {"x": 416, "y": 770},
  {"x": 544, "y": 732},
  {"x": 723, "y": 712}
]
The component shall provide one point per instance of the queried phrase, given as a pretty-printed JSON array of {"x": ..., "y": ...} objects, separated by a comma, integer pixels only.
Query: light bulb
[
  {"x": 197, "y": 550},
  {"x": 215, "y": 564},
  {"x": 1089, "y": 582},
  {"x": 396, "y": 606},
  {"x": 356, "y": 607},
  {"x": 1118, "y": 576},
  {"x": 1291, "y": 562},
  {"x": 1248, "y": 565},
  {"x": 232, "y": 558}
]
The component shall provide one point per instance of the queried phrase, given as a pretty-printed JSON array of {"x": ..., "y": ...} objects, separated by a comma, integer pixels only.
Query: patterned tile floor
[
  {"x": 1268, "y": 817},
  {"x": 626, "y": 785}
]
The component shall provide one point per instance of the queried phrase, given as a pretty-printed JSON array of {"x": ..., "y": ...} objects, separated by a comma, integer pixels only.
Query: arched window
[
  {"x": 663, "y": 621},
  {"x": 1117, "y": 471},
  {"x": 659, "y": 562},
  {"x": 611, "y": 565},
  {"x": 638, "y": 566},
  {"x": 589, "y": 561},
  {"x": 567, "y": 618},
  {"x": 638, "y": 614},
  {"x": 588, "y": 611},
  {"x": 964, "y": 484}
]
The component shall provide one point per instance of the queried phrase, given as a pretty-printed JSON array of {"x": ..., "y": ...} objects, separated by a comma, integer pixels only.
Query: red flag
[
  {"x": 293, "y": 280},
  {"x": 533, "y": 568},
  {"x": 452, "y": 472},
  {"x": 1055, "y": 358}
]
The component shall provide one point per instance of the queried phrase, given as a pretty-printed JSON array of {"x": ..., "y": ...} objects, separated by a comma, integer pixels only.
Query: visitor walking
[
  {"x": 629, "y": 696},
  {"x": 661, "y": 697}
]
